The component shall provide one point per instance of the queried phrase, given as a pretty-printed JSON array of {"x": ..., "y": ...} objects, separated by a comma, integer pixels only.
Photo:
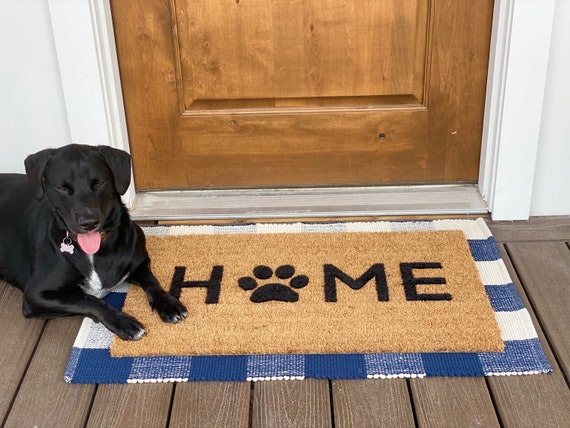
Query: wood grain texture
[
  {"x": 534, "y": 229},
  {"x": 372, "y": 403},
  {"x": 43, "y": 398},
  {"x": 529, "y": 401},
  {"x": 285, "y": 50},
  {"x": 459, "y": 52},
  {"x": 453, "y": 402},
  {"x": 278, "y": 93},
  {"x": 17, "y": 341},
  {"x": 544, "y": 269},
  {"x": 292, "y": 404},
  {"x": 134, "y": 405},
  {"x": 211, "y": 404}
]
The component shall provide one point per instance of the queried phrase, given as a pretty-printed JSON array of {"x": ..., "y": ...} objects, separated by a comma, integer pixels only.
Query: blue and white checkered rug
[{"x": 91, "y": 362}]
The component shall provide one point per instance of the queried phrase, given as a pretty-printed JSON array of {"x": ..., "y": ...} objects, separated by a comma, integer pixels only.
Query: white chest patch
[{"x": 93, "y": 284}]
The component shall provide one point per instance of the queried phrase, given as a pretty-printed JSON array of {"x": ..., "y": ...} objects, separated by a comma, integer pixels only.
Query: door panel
[
  {"x": 287, "y": 51},
  {"x": 266, "y": 93}
]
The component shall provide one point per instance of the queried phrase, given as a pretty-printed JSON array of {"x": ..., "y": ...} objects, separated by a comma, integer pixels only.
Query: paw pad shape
[{"x": 275, "y": 290}]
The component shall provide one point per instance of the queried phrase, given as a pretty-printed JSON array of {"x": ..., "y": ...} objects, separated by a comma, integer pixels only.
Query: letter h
[{"x": 213, "y": 285}]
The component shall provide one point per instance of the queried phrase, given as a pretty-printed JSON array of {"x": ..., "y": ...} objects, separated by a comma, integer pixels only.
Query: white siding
[{"x": 32, "y": 109}]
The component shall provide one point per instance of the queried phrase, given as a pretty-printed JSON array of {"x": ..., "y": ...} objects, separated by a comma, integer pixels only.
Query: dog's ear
[
  {"x": 119, "y": 162},
  {"x": 35, "y": 166}
]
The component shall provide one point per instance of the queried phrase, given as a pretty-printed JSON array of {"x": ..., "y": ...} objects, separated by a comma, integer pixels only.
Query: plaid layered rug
[{"x": 91, "y": 361}]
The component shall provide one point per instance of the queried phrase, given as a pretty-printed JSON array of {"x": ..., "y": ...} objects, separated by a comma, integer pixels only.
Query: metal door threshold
[{"x": 309, "y": 203}]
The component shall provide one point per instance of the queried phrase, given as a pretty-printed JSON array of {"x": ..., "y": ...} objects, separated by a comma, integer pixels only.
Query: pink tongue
[{"x": 89, "y": 242}]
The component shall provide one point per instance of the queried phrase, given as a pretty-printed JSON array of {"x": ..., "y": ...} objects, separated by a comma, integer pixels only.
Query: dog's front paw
[
  {"x": 128, "y": 328},
  {"x": 170, "y": 309}
]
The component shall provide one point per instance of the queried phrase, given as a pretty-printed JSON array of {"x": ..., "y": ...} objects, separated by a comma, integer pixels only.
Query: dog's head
[{"x": 83, "y": 185}]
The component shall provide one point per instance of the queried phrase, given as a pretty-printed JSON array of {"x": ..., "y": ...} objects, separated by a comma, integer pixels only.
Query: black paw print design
[{"x": 273, "y": 291}]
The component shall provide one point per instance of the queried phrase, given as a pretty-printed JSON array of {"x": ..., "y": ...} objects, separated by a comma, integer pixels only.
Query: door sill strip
[{"x": 259, "y": 204}]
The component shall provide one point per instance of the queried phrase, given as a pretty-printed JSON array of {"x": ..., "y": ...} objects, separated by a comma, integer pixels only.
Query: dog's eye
[
  {"x": 98, "y": 184},
  {"x": 64, "y": 188}
]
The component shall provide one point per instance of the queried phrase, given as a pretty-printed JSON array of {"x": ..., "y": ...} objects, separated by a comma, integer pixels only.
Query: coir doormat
[
  {"x": 346, "y": 300},
  {"x": 315, "y": 293}
]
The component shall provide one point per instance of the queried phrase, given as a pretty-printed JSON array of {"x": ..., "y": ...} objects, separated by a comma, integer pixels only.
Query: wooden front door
[{"x": 273, "y": 93}]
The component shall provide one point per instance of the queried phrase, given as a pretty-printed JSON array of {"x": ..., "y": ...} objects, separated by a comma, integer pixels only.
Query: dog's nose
[{"x": 87, "y": 225}]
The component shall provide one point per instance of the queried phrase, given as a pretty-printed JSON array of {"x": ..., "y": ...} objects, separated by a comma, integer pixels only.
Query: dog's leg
[
  {"x": 168, "y": 307},
  {"x": 50, "y": 304}
]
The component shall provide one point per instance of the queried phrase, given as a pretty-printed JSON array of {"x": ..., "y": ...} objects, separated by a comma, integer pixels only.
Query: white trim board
[
  {"x": 521, "y": 33},
  {"x": 85, "y": 45},
  {"x": 522, "y": 30}
]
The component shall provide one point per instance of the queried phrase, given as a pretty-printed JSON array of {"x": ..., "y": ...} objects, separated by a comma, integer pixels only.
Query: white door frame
[{"x": 522, "y": 29}]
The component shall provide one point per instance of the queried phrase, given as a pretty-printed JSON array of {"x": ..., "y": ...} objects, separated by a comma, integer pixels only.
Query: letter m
[{"x": 376, "y": 272}]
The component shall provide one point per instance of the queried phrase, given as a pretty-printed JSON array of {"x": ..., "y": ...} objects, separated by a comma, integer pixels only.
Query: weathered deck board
[
  {"x": 535, "y": 229},
  {"x": 372, "y": 403},
  {"x": 547, "y": 396},
  {"x": 135, "y": 405},
  {"x": 43, "y": 398},
  {"x": 453, "y": 402},
  {"x": 34, "y": 355},
  {"x": 544, "y": 269},
  {"x": 211, "y": 404},
  {"x": 18, "y": 338},
  {"x": 292, "y": 404}
]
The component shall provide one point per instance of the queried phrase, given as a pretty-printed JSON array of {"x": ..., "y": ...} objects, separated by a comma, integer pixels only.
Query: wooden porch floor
[{"x": 34, "y": 354}]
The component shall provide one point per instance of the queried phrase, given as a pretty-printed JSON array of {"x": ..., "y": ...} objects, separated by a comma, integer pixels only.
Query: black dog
[{"x": 66, "y": 239}]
